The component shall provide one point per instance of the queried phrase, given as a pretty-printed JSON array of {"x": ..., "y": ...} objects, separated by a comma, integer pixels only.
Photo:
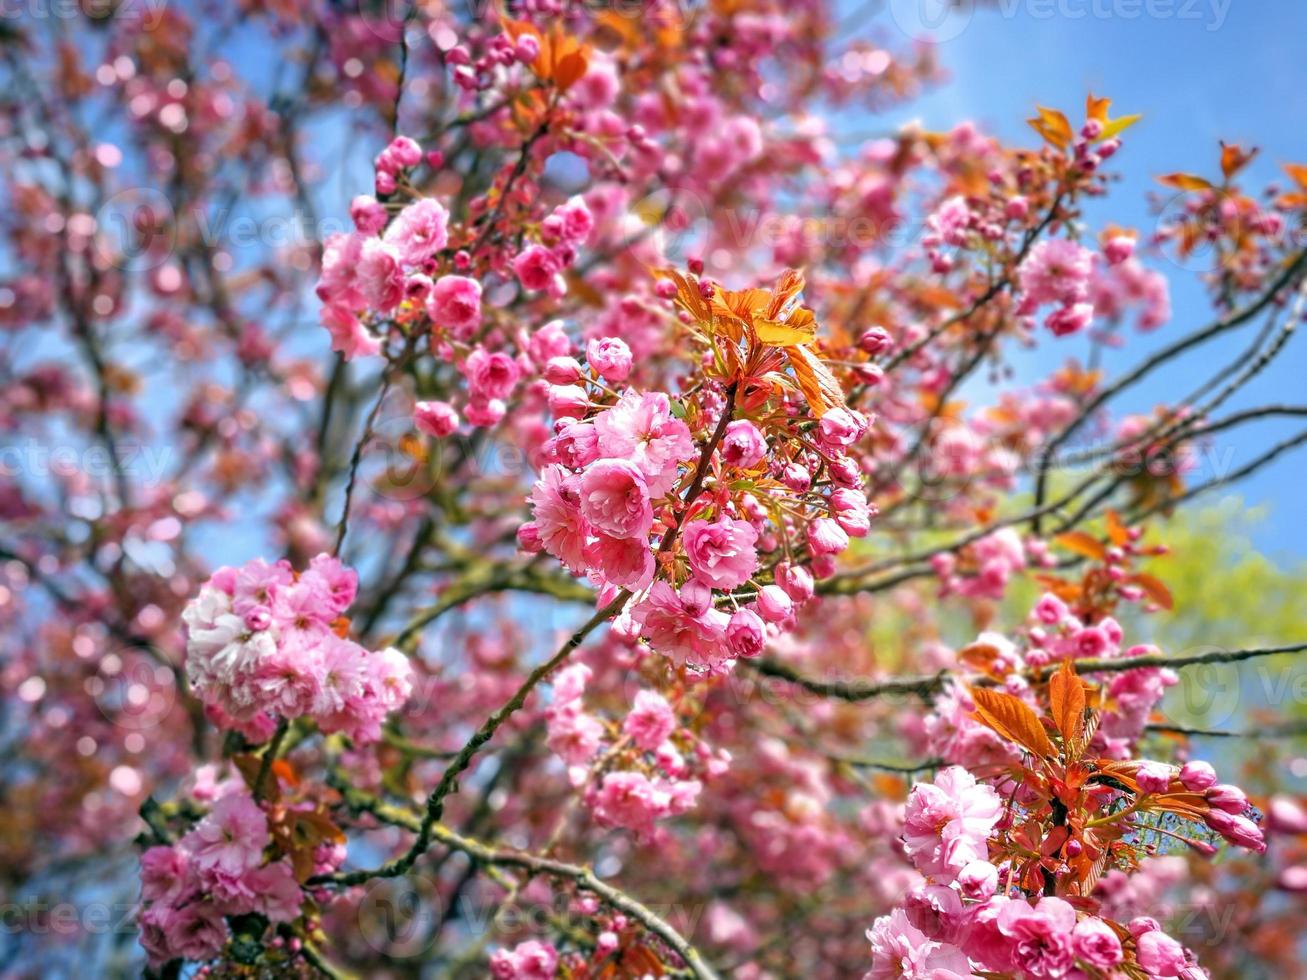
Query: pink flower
[
  {"x": 231, "y": 838},
  {"x": 651, "y": 720},
  {"x": 576, "y": 445},
  {"x": 934, "y": 909},
  {"x": 610, "y": 357},
  {"x": 338, "y": 281},
  {"x": 531, "y": 960},
  {"x": 568, "y": 401},
  {"x": 1050, "y": 610},
  {"x": 551, "y": 340},
  {"x": 947, "y": 823},
  {"x": 572, "y": 733},
  {"x": 194, "y": 931},
  {"x": 1041, "y": 936},
  {"x": 626, "y": 562},
  {"x": 490, "y": 375},
  {"x": 615, "y": 499},
  {"x": 166, "y": 875},
  {"x": 852, "y": 512},
  {"x": 721, "y": 553},
  {"x": 455, "y": 303},
  {"x": 1096, "y": 943},
  {"x": 348, "y": 336},
  {"x": 536, "y": 268},
  {"x": 978, "y": 880},
  {"x": 485, "y": 413},
  {"x": 435, "y": 418},
  {"x": 1159, "y": 954},
  {"x": 577, "y": 221},
  {"x": 1070, "y": 319},
  {"x": 746, "y": 633},
  {"x": 642, "y": 429},
  {"x": 380, "y": 280},
  {"x": 556, "y": 502},
  {"x": 1056, "y": 270},
  {"x": 900, "y": 949},
  {"x": 631, "y": 800},
  {"x": 743, "y": 445},
  {"x": 687, "y": 632},
  {"x": 277, "y": 895},
  {"x": 419, "y": 231}
]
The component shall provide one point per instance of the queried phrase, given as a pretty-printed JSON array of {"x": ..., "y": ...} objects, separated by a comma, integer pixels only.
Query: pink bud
[
  {"x": 746, "y": 633},
  {"x": 562, "y": 371},
  {"x": 825, "y": 537},
  {"x": 875, "y": 340},
  {"x": 527, "y": 48},
  {"x": 1197, "y": 775},
  {"x": 795, "y": 580},
  {"x": 773, "y": 604},
  {"x": 610, "y": 357},
  {"x": 1118, "y": 249},
  {"x": 528, "y": 538},
  {"x": 435, "y": 418},
  {"x": 568, "y": 401},
  {"x": 1230, "y": 799},
  {"x": 368, "y": 215},
  {"x": 1153, "y": 777}
]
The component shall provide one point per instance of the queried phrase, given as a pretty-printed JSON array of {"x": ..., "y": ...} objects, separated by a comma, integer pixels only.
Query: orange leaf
[
  {"x": 1117, "y": 531},
  {"x": 818, "y": 385},
  {"x": 1185, "y": 182},
  {"x": 1234, "y": 159},
  {"x": 1097, "y": 108},
  {"x": 1012, "y": 718},
  {"x": 982, "y": 657},
  {"x": 1082, "y": 544},
  {"x": 1053, "y": 126},
  {"x": 1155, "y": 589},
  {"x": 1066, "y": 698},
  {"x": 570, "y": 69},
  {"x": 1298, "y": 172}
]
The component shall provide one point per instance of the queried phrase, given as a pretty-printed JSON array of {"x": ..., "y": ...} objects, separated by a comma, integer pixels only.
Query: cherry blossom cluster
[
  {"x": 994, "y": 839},
  {"x": 264, "y": 642},
  {"x": 560, "y": 360},
  {"x": 217, "y": 869},
  {"x": 634, "y": 775}
]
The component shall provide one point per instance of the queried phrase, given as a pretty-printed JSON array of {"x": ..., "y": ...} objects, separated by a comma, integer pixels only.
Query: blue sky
[{"x": 1200, "y": 71}]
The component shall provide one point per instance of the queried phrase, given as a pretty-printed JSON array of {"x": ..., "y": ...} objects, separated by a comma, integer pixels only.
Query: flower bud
[
  {"x": 773, "y": 604},
  {"x": 562, "y": 371},
  {"x": 435, "y": 418},
  {"x": 1197, "y": 776}
]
